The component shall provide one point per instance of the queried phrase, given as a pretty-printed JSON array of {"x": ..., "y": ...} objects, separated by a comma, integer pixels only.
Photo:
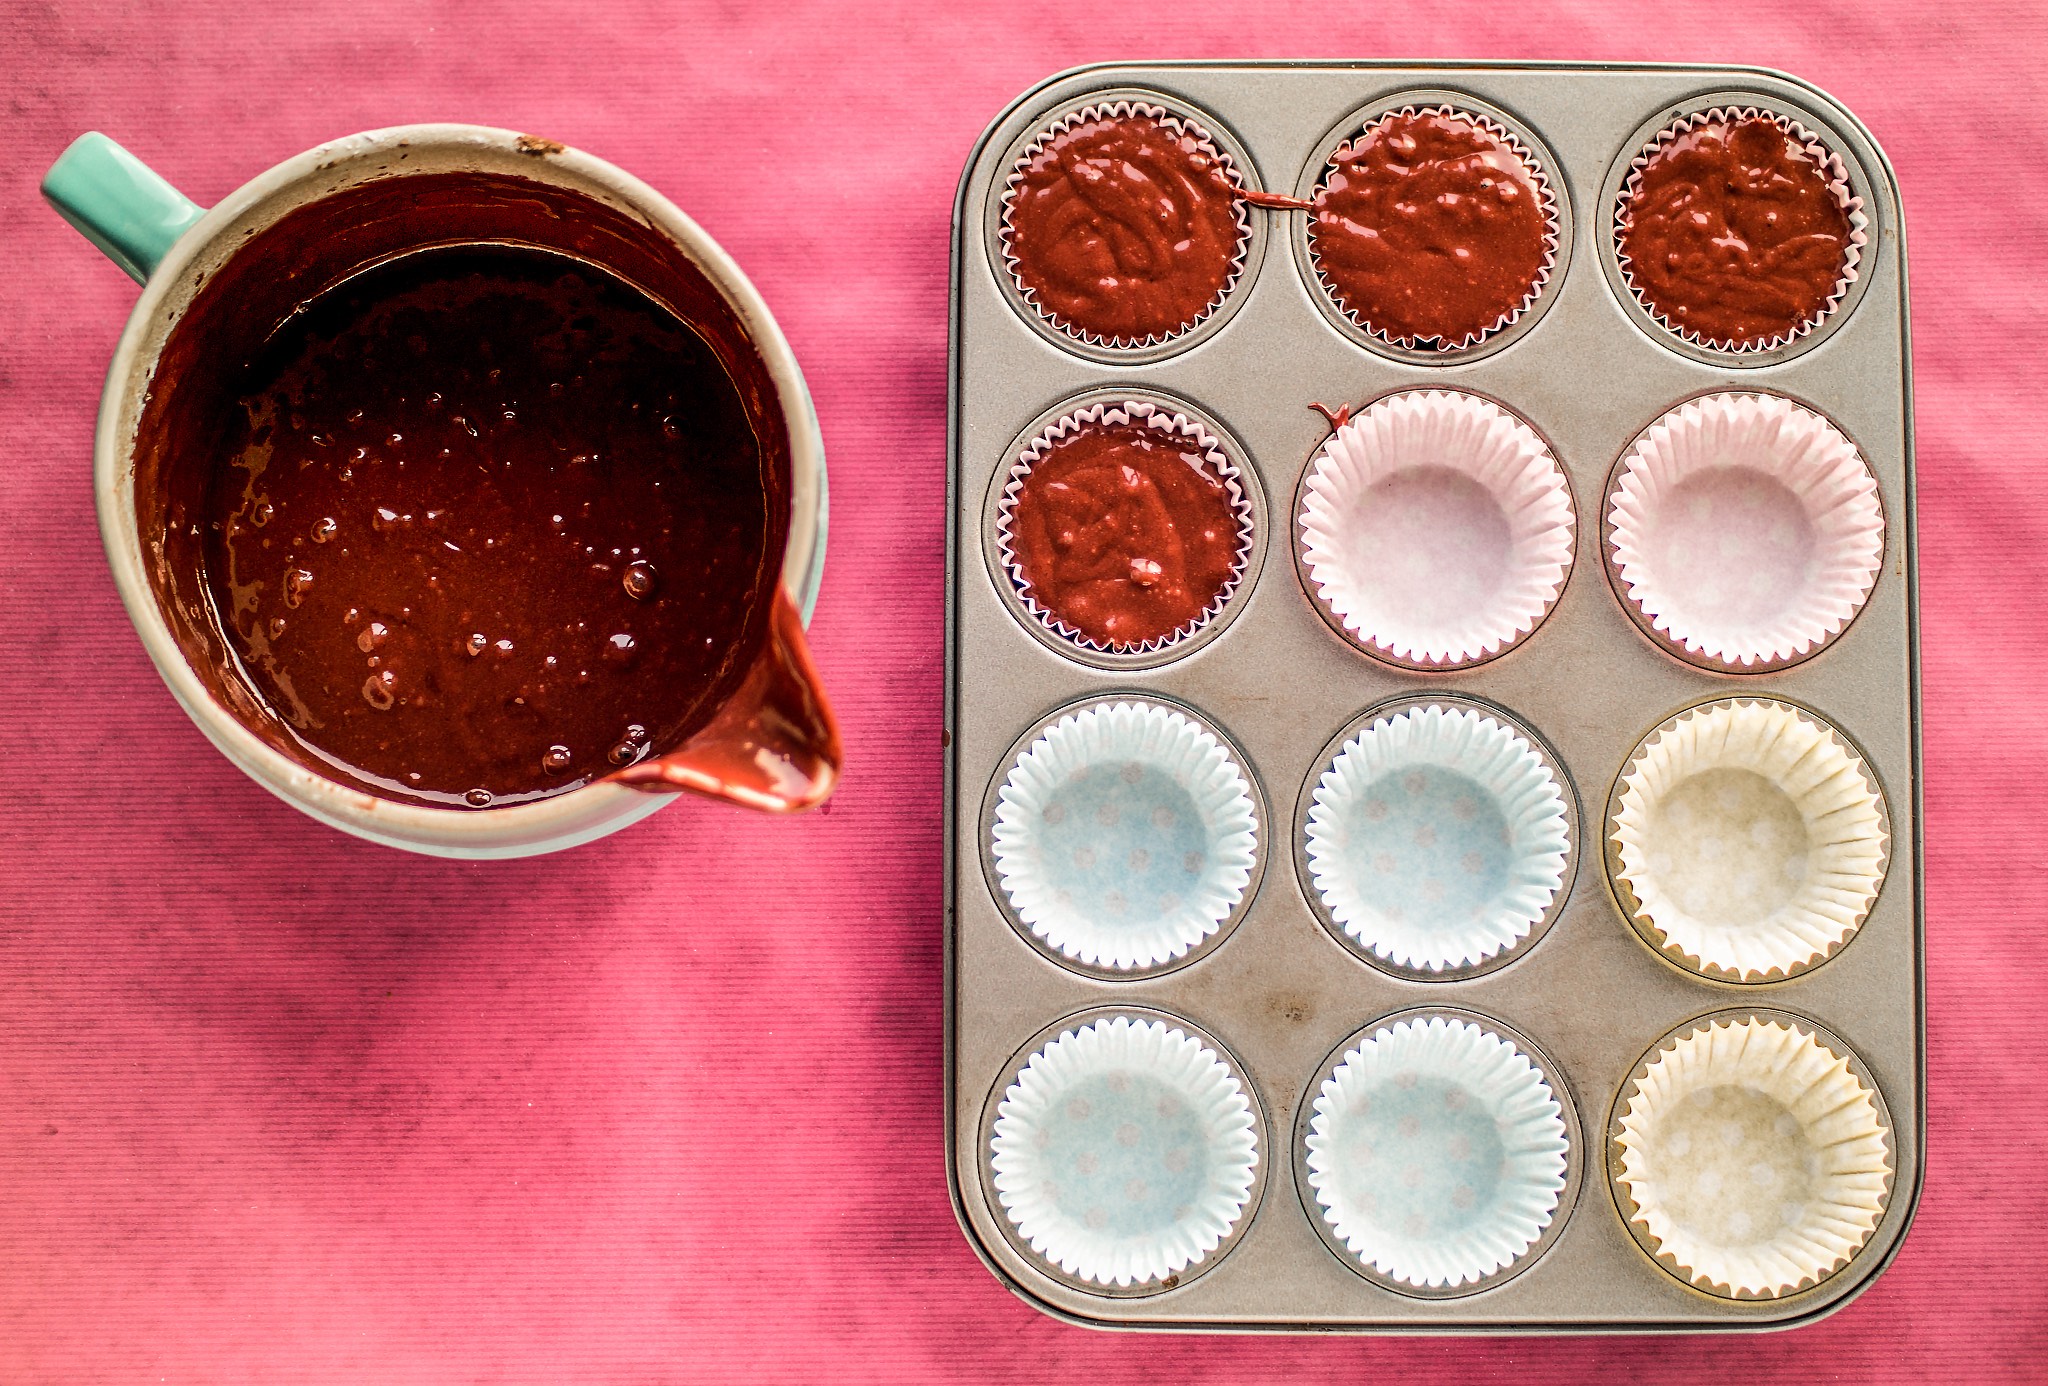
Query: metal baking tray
[{"x": 1279, "y": 990}]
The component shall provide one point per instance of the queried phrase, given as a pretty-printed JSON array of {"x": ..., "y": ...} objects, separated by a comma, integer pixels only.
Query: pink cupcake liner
[
  {"x": 1174, "y": 425},
  {"x": 1550, "y": 220},
  {"x": 1437, "y": 528},
  {"x": 1745, "y": 529},
  {"x": 1838, "y": 177},
  {"x": 1123, "y": 110}
]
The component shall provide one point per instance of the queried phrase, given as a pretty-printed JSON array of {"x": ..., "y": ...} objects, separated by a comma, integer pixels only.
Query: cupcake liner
[
  {"x": 1122, "y": 110},
  {"x": 1125, "y": 835},
  {"x": 1202, "y": 450},
  {"x": 1746, "y": 528},
  {"x": 1538, "y": 174},
  {"x": 1124, "y": 1151},
  {"x": 1436, "y": 1151},
  {"x": 1437, "y": 838},
  {"x": 1756, "y": 1161},
  {"x": 1436, "y": 527},
  {"x": 1845, "y": 197},
  {"x": 1750, "y": 842}
]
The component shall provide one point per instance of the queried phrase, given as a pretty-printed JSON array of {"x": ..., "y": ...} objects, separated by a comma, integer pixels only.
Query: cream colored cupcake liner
[
  {"x": 1125, "y": 835},
  {"x": 1125, "y": 1152},
  {"x": 1548, "y": 198},
  {"x": 1437, "y": 838},
  {"x": 1437, "y": 1153},
  {"x": 1748, "y": 841},
  {"x": 1201, "y": 449},
  {"x": 1838, "y": 179},
  {"x": 1749, "y": 1159},
  {"x": 1123, "y": 110},
  {"x": 1746, "y": 529},
  {"x": 1436, "y": 527}
]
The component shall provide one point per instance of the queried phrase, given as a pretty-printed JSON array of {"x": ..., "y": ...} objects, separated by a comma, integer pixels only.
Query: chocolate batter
[
  {"x": 1124, "y": 229},
  {"x": 1123, "y": 533},
  {"x": 1429, "y": 228},
  {"x": 1734, "y": 233},
  {"x": 492, "y": 525}
]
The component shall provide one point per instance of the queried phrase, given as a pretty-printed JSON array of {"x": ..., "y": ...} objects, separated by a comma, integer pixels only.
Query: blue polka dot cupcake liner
[
  {"x": 1125, "y": 837},
  {"x": 1438, "y": 839},
  {"x": 1125, "y": 1153},
  {"x": 1438, "y": 1154}
]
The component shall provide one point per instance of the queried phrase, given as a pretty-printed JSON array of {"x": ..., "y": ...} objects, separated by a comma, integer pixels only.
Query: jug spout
[{"x": 774, "y": 745}]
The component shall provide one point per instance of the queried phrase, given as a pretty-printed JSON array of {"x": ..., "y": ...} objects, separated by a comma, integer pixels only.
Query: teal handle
[{"x": 119, "y": 203}]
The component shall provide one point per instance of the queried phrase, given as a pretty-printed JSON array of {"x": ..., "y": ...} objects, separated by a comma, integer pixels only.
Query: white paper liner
[
  {"x": 1437, "y": 1152},
  {"x": 1752, "y": 839},
  {"x": 1125, "y": 835},
  {"x": 1746, "y": 528},
  {"x": 1755, "y": 1158},
  {"x": 1437, "y": 527},
  {"x": 1124, "y": 1151},
  {"x": 1124, "y": 110},
  {"x": 1538, "y": 175},
  {"x": 1831, "y": 164},
  {"x": 1201, "y": 449},
  {"x": 1437, "y": 838}
]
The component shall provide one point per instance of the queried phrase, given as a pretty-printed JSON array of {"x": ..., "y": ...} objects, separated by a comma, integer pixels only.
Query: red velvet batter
[
  {"x": 1429, "y": 227},
  {"x": 1124, "y": 229},
  {"x": 1123, "y": 533},
  {"x": 1734, "y": 233},
  {"x": 493, "y": 526}
]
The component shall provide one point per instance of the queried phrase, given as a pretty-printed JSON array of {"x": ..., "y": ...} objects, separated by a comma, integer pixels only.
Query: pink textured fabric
[{"x": 277, "y": 1106}]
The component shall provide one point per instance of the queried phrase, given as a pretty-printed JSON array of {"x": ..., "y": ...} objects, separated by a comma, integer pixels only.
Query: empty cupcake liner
[
  {"x": 1437, "y": 528},
  {"x": 1749, "y": 840},
  {"x": 1538, "y": 175},
  {"x": 1756, "y": 1162},
  {"x": 1437, "y": 838},
  {"x": 1845, "y": 197},
  {"x": 1122, "y": 110},
  {"x": 1202, "y": 450},
  {"x": 1124, "y": 1151},
  {"x": 1746, "y": 528},
  {"x": 1437, "y": 1152},
  {"x": 1125, "y": 835}
]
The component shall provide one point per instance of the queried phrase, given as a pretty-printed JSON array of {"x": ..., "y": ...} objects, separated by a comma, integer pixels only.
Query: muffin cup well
[
  {"x": 1125, "y": 835},
  {"x": 1747, "y": 840},
  {"x": 1198, "y": 442},
  {"x": 1547, "y": 196},
  {"x": 1743, "y": 531},
  {"x": 1436, "y": 529},
  {"x": 1436, "y": 1155},
  {"x": 1749, "y": 1155},
  {"x": 1125, "y": 1152},
  {"x": 1233, "y": 167},
  {"x": 1840, "y": 185},
  {"x": 1437, "y": 839}
]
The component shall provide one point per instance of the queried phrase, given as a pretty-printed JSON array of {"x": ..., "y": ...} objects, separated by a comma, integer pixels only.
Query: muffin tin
[{"x": 1279, "y": 993}]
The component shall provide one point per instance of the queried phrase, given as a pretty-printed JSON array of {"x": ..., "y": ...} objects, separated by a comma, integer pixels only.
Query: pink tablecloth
[{"x": 279, "y": 1106}]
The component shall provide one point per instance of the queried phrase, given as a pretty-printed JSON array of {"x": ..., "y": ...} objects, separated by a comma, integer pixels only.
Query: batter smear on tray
[
  {"x": 1430, "y": 228},
  {"x": 1124, "y": 227},
  {"x": 1735, "y": 233},
  {"x": 1120, "y": 531},
  {"x": 492, "y": 525}
]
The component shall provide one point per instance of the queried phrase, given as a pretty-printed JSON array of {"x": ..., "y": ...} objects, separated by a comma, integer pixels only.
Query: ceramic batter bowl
[{"x": 344, "y": 205}]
